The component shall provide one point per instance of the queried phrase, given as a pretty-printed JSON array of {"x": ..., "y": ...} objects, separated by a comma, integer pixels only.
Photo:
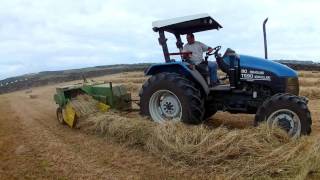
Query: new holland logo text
[{"x": 254, "y": 75}]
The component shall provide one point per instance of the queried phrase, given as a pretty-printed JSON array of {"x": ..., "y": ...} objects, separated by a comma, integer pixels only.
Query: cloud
[{"x": 43, "y": 35}]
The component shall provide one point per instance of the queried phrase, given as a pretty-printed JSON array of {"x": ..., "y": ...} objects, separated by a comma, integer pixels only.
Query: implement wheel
[{"x": 60, "y": 116}]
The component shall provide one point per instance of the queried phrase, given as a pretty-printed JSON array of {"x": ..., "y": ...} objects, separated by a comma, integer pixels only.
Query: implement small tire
[{"x": 60, "y": 116}]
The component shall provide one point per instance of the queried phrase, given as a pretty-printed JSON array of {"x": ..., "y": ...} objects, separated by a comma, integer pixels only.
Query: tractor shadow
[{"x": 230, "y": 121}]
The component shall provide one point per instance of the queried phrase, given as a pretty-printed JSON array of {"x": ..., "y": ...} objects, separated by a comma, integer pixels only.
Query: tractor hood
[{"x": 266, "y": 65}]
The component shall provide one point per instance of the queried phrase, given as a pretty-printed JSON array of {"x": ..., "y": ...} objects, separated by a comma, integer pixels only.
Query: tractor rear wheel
[
  {"x": 211, "y": 110},
  {"x": 287, "y": 111},
  {"x": 171, "y": 97}
]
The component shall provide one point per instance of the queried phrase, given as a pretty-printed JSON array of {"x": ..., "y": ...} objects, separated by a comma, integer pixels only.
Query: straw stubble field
[{"x": 127, "y": 146}]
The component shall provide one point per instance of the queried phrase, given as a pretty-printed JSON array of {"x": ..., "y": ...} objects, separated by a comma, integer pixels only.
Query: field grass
[
  {"x": 310, "y": 92},
  {"x": 251, "y": 152},
  {"x": 309, "y": 84},
  {"x": 218, "y": 152},
  {"x": 309, "y": 74}
]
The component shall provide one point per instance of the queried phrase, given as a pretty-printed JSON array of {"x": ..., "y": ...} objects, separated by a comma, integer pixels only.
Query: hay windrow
[
  {"x": 252, "y": 152},
  {"x": 84, "y": 105},
  {"x": 121, "y": 129}
]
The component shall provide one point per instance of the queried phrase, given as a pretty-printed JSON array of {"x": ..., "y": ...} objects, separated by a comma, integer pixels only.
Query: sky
[{"x": 46, "y": 35}]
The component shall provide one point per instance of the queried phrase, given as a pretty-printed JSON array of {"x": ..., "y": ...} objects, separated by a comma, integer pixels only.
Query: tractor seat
[{"x": 203, "y": 69}]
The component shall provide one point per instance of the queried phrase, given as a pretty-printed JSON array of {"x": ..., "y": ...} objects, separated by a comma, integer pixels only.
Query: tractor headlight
[{"x": 292, "y": 86}]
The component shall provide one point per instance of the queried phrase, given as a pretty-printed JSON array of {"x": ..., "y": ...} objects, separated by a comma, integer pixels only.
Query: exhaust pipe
[{"x": 265, "y": 39}]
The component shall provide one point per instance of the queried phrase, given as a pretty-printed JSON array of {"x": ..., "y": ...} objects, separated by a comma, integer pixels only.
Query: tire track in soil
[
  {"x": 18, "y": 158},
  {"x": 51, "y": 145},
  {"x": 72, "y": 154}
]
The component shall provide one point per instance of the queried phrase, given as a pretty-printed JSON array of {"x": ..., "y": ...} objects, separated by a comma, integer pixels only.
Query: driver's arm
[{"x": 206, "y": 48}]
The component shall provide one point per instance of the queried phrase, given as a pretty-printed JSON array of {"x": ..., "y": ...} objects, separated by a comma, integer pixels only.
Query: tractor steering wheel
[{"x": 215, "y": 53}]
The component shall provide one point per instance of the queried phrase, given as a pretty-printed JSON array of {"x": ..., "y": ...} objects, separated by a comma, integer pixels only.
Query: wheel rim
[
  {"x": 60, "y": 116},
  {"x": 287, "y": 120},
  {"x": 165, "y": 106}
]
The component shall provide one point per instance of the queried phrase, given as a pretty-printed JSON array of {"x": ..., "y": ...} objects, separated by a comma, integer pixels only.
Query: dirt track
[{"x": 34, "y": 146}]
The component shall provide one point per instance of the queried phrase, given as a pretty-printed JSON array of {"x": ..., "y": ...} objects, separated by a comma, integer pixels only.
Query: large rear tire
[
  {"x": 170, "y": 96},
  {"x": 289, "y": 112},
  {"x": 211, "y": 110}
]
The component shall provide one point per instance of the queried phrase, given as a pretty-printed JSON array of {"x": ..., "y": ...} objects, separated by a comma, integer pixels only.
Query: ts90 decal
[{"x": 254, "y": 75}]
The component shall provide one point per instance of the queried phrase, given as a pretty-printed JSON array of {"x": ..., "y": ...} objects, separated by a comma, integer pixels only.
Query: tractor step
[{"x": 224, "y": 87}]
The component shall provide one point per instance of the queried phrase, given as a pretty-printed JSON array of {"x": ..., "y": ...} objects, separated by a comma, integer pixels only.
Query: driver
[{"x": 198, "y": 48}]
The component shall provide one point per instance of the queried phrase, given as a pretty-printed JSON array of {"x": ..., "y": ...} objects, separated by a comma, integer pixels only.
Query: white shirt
[{"x": 197, "y": 48}]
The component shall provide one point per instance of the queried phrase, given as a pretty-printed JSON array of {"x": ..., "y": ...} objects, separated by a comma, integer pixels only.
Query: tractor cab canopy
[
  {"x": 187, "y": 24},
  {"x": 181, "y": 26}
]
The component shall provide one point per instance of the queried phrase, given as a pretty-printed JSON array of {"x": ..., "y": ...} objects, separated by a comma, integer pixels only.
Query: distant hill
[
  {"x": 301, "y": 65},
  {"x": 52, "y": 77}
]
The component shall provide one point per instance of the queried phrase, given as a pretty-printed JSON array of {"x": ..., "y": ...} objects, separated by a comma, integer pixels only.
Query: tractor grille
[{"x": 292, "y": 86}]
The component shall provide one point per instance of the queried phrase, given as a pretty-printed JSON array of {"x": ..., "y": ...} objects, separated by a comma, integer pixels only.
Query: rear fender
[{"x": 179, "y": 68}]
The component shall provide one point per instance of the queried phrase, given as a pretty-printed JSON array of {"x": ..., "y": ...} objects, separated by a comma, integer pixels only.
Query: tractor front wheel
[
  {"x": 287, "y": 111},
  {"x": 171, "y": 97}
]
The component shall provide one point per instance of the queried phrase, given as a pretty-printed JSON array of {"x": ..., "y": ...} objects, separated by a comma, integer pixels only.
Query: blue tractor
[{"x": 181, "y": 91}]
